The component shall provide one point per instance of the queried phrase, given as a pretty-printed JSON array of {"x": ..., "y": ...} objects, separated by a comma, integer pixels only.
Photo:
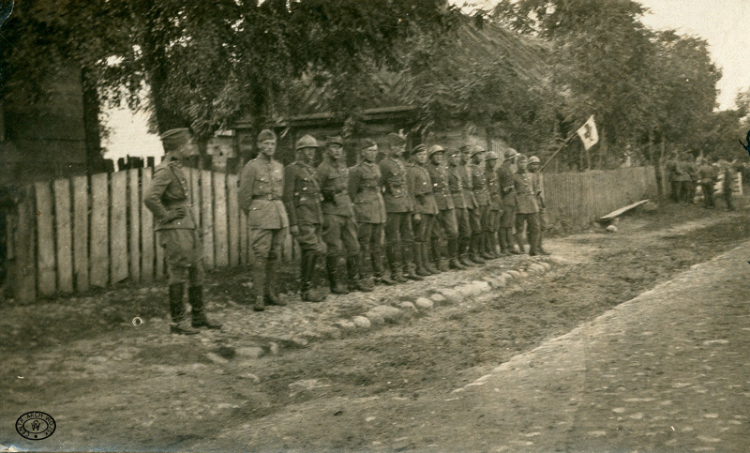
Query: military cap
[
  {"x": 534, "y": 160},
  {"x": 175, "y": 138},
  {"x": 492, "y": 155},
  {"x": 511, "y": 153},
  {"x": 335, "y": 140},
  {"x": 418, "y": 149},
  {"x": 476, "y": 149},
  {"x": 521, "y": 157},
  {"x": 367, "y": 143},
  {"x": 397, "y": 139},
  {"x": 307, "y": 141},
  {"x": 452, "y": 151},
  {"x": 434, "y": 149},
  {"x": 266, "y": 134}
]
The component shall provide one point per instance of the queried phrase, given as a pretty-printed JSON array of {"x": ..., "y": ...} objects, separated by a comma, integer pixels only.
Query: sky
[{"x": 724, "y": 24}]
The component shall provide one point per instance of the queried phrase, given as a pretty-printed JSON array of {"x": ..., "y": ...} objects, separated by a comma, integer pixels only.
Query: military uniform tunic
[
  {"x": 447, "y": 227},
  {"x": 477, "y": 213},
  {"x": 179, "y": 236},
  {"x": 507, "y": 190},
  {"x": 420, "y": 186},
  {"x": 456, "y": 187},
  {"x": 398, "y": 202},
  {"x": 302, "y": 199},
  {"x": 260, "y": 196},
  {"x": 369, "y": 208},
  {"x": 339, "y": 224},
  {"x": 496, "y": 200},
  {"x": 528, "y": 211}
]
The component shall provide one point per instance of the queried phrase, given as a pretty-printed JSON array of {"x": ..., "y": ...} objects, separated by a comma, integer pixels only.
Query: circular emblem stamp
[{"x": 35, "y": 425}]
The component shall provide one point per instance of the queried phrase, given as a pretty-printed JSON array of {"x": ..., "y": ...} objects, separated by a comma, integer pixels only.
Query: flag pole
[{"x": 572, "y": 134}]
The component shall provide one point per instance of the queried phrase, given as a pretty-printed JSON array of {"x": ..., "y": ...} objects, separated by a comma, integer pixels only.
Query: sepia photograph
[{"x": 374, "y": 226}]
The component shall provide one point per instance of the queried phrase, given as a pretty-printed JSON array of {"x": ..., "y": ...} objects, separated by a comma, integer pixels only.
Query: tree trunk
[
  {"x": 656, "y": 163},
  {"x": 91, "y": 126}
]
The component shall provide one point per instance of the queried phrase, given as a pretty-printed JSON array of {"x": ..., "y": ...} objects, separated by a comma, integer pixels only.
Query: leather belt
[{"x": 270, "y": 197}]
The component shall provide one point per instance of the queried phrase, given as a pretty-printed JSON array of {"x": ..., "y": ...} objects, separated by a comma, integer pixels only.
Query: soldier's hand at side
[
  {"x": 294, "y": 229},
  {"x": 175, "y": 214},
  {"x": 417, "y": 217}
]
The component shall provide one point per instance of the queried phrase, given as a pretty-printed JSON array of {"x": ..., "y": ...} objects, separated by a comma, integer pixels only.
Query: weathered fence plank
[
  {"x": 99, "y": 230},
  {"x": 134, "y": 209},
  {"x": 64, "y": 236},
  {"x": 195, "y": 193},
  {"x": 25, "y": 271},
  {"x": 207, "y": 221},
  {"x": 147, "y": 231},
  {"x": 45, "y": 224},
  {"x": 118, "y": 248},
  {"x": 221, "y": 237},
  {"x": 244, "y": 259},
  {"x": 81, "y": 232},
  {"x": 234, "y": 220}
]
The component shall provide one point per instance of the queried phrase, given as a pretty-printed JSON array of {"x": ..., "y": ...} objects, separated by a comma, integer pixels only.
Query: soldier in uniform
[
  {"x": 399, "y": 207},
  {"x": 420, "y": 186},
  {"x": 481, "y": 194},
  {"x": 446, "y": 227},
  {"x": 260, "y": 196},
  {"x": 528, "y": 210},
  {"x": 168, "y": 198},
  {"x": 496, "y": 205},
  {"x": 339, "y": 224},
  {"x": 535, "y": 166},
  {"x": 456, "y": 187},
  {"x": 707, "y": 177},
  {"x": 730, "y": 175},
  {"x": 508, "y": 217},
  {"x": 475, "y": 212},
  {"x": 670, "y": 167},
  {"x": 302, "y": 198},
  {"x": 369, "y": 208}
]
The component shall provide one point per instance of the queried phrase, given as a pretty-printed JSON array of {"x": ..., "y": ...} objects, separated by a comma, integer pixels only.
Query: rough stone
[
  {"x": 559, "y": 260},
  {"x": 330, "y": 332},
  {"x": 346, "y": 325},
  {"x": 451, "y": 295},
  {"x": 424, "y": 303},
  {"x": 408, "y": 306},
  {"x": 375, "y": 317},
  {"x": 273, "y": 348},
  {"x": 611, "y": 229},
  {"x": 515, "y": 274},
  {"x": 251, "y": 352},
  {"x": 481, "y": 286},
  {"x": 389, "y": 313},
  {"x": 361, "y": 322},
  {"x": 438, "y": 298},
  {"x": 546, "y": 266},
  {"x": 216, "y": 358}
]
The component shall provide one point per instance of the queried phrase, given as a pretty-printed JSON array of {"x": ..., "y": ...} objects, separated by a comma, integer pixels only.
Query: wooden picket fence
[
  {"x": 70, "y": 235},
  {"x": 575, "y": 200}
]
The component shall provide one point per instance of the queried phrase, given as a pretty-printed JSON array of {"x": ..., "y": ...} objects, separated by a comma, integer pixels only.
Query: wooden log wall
[{"x": 74, "y": 234}]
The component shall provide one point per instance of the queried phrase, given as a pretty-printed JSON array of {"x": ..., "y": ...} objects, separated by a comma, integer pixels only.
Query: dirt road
[{"x": 390, "y": 388}]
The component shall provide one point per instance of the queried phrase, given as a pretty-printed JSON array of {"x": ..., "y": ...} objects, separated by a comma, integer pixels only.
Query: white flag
[{"x": 588, "y": 133}]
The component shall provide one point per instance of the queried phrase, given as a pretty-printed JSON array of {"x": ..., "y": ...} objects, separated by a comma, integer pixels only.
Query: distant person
[
  {"x": 535, "y": 166},
  {"x": 168, "y": 198},
  {"x": 708, "y": 174},
  {"x": 425, "y": 209},
  {"x": 479, "y": 187},
  {"x": 670, "y": 168},
  {"x": 460, "y": 202},
  {"x": 446, "y": 226},
  {"x": 508, "y": 218},
  {"x": 260, "y": 196},
  {"x": 496, "y": 205},
  {"x": 302, "y": 199},
  {"x": 682, "y": 177},
  {"x": 730, "y": 180},
  {"x": 472, "y": 205},
  {"x": 528, "y": 210}
]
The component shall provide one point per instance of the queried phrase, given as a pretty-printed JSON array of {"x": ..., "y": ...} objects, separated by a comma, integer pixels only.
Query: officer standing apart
[
  {"x": 496, "y": 205},
  {"x": 260, "y": 196},
  {"x": 168, "y": 198},
  {"x": 707, "y": 177},
  {"x": 399, "y": 207},
  {"x": 456, "y": 186},
  {"x": 339, "y": 224},
  {"x": 420, "y": 186},
  {"x": 536, "y": 181},
  {"x": 302, "y": 199},
  {"x": 445, "y": 228},
  {"x": 369, "y": 209},
  {"x": 528, "y": 211},
  {"x": 505, "y": 176}
]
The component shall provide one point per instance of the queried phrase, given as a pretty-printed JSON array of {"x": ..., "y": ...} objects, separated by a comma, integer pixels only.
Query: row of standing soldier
[
  {"x": 447, "y": 209},
  {"x": 685, "y": 176}
]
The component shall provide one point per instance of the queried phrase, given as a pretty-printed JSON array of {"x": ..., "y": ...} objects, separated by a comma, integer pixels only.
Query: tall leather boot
[
  {"x": 379, "y": 271},
  {"x": 409, "y": 268},
  {"x": 503, "y": 242},
  {"x": 533, "y": 243},
  {"x": 177, "y": 310},
  {"x": 440, "y": 265},
  {"x": 493, "y": 244},
  {"x": 307, "y": 292},
  {"x": 195, "y": 297},
  {"x": 259, "y": 283},
  {"x": 511, "y": 240},
  {"x": 272, "y": 292},
  {"x": 335, "y": 275},
  {"x": 476, "y": 247},
  {"x": 394, "y": 260},
  {"x": 419, "y": 267},
  {"x": 353, "y": 272},
  {"x": 540, "y": 250},
  {"x": 463, "y": 252},
  {"x": 454, "y": 262},
  {"x": 485, "y": 241}
]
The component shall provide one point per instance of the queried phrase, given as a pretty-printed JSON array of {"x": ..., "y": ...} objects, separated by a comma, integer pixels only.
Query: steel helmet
[
  {"x": 492, "y": 155},
  {"x": 307, "y": 141},
  {"x": 435, "y": 149},
  {"x": 534, "y": 160},
  {"x": 511, "y": 153}
]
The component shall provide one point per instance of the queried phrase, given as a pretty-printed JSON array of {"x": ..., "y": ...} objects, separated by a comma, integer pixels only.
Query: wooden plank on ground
[
  {"x": 118, "y": 227},
  {"x": 45, "y": 226},
  {"x": 234, "y": 220},
  {"x": 622, "y": 210},
  {"x": 207, "y": 221},
  {"x": 24, "y": 284},
  {"x": 147, "y": 230},
  {"x": 221, "y": 235},
  {"x": 64, "y": 238},
  {"x": 134, "y": 209},
  {"x": 99, "y": 230},
  {"x": 81, "y": 232}
]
